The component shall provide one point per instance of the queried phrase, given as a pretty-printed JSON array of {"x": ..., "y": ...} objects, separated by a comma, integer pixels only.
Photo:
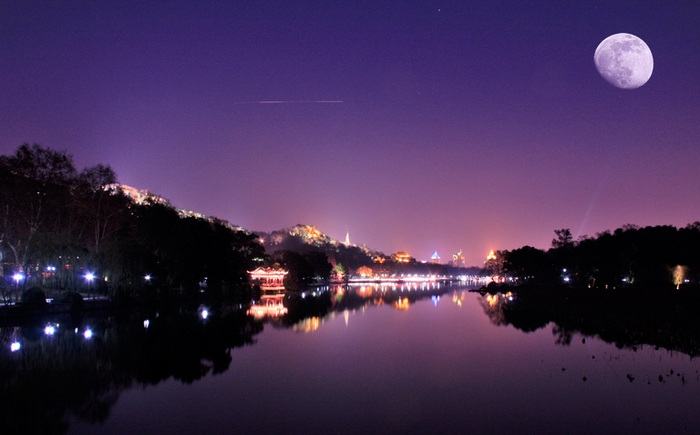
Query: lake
[{"x": 371, "y": 360}]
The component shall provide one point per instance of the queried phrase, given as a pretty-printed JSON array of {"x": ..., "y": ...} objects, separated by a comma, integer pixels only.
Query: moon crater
[{"x": 624, "y": 60}]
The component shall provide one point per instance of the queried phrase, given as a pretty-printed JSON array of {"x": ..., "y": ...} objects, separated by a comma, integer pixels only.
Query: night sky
[{"x": 416, "y": 126}]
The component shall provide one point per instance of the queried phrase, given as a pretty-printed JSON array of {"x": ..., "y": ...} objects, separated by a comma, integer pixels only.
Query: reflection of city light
[
  {"x": 435, "y": 299},
  {"x": 402, "y": 304},
  {"x": 202, "y": 312},
  {"x": 146, "y": 323},
  {"x": 14, "y": 347},
  {"x": 260, "y": 311},
  {"x": 87, "y": 334},
  {"x": 457, "y": 298},
  {"x": 492, "y": 300},
  {"x": 271, "y": 304},
  {"x": 498, "y": 298},
  {"x": 308, "y": 325}
]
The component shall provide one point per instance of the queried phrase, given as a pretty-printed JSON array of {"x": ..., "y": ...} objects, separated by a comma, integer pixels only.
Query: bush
[
  {"x": 74, "y": 299},
  {"x": 34, "y": 298},
  {"x": 121, "y": 296}
]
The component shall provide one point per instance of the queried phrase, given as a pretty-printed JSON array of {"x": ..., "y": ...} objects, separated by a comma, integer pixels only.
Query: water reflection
[
  {"x": 626, "y": 319},
  {"x": 52, "y": 370},
  {"x": 56, "y": 370},
  {"x": 305, "y": 311},
  {"x": 59, "y": 368},
  {"x": 399, "y": 295},
  {"x": 270, "y": 304}
]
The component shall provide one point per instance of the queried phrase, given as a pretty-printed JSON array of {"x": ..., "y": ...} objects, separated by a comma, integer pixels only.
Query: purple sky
[{"x": 463, "y": 125}]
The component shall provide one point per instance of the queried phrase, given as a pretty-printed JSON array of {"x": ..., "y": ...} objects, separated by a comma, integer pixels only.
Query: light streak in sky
[
  {"x": 603, "y": 181},
  {"x": 290, "y": 102}
]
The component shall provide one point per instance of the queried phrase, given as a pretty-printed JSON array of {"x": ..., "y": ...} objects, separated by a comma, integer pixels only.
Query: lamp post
[
  {"x": 89, "y": 277},
  {"x": 50, "y": 279},
  {"x": 17, "y": 277}
]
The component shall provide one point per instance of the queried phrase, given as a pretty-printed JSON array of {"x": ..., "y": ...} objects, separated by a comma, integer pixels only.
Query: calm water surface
[{"x": 434, "y": 365}]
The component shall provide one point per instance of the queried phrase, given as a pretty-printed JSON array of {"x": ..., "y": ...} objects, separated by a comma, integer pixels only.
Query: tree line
[
  {"x": 60, "y": 227},
  {"x": 652, "y": 257}
]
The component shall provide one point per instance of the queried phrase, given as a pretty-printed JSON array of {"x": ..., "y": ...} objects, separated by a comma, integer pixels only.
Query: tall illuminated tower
[{"x": 458, "y": 259}]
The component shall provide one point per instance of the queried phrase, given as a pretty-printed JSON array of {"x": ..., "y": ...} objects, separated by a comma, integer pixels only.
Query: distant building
[
  {"x": 491, "y": 256},
  {"x": 267, "y": 277},
  {"x": 458, "y": 259},
  {"x": 378, "y": 259},
  {"x": 401, "y": 257},
  {"x": 435, "y": 259},
  {"x": 364, "y": 272}
]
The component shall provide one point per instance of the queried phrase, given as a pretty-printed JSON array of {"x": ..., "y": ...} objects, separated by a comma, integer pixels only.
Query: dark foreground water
[{"x": 444, "y": 361}]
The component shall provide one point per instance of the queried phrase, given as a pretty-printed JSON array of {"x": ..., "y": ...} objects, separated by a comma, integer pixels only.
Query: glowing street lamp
[
  {"x": 147, "y": 278},
  {"x": 89, "y": 277},
  {"x": 17, "y": 277}
]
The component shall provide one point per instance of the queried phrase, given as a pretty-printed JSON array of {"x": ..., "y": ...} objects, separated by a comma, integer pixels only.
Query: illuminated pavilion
[
  {"x": 268, "y": 277},
  {"x": 401, "y": 257}
]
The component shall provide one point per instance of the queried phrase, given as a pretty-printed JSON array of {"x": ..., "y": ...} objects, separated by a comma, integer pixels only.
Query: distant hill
[
  {"x": 304, "y": 235},
  {"x": 299, "y": 238},
  {"x": 142, "y": 197},
  {"x": 306, "y": 238}
]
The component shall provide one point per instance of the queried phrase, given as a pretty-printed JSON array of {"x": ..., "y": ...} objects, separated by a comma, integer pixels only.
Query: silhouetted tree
[
  {"x": 495, "y": 267},
  {"x": 529, "y": 264},
  {"x": 36, "y": 184},
  {"x": 564, "y": 239}
]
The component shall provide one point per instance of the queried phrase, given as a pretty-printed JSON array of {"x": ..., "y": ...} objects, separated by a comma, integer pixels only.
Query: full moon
[{"x": 624, "y": 60}]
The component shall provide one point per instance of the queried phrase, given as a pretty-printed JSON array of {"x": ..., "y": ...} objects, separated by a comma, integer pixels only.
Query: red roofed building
[{"x": 267, "y": 277}]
